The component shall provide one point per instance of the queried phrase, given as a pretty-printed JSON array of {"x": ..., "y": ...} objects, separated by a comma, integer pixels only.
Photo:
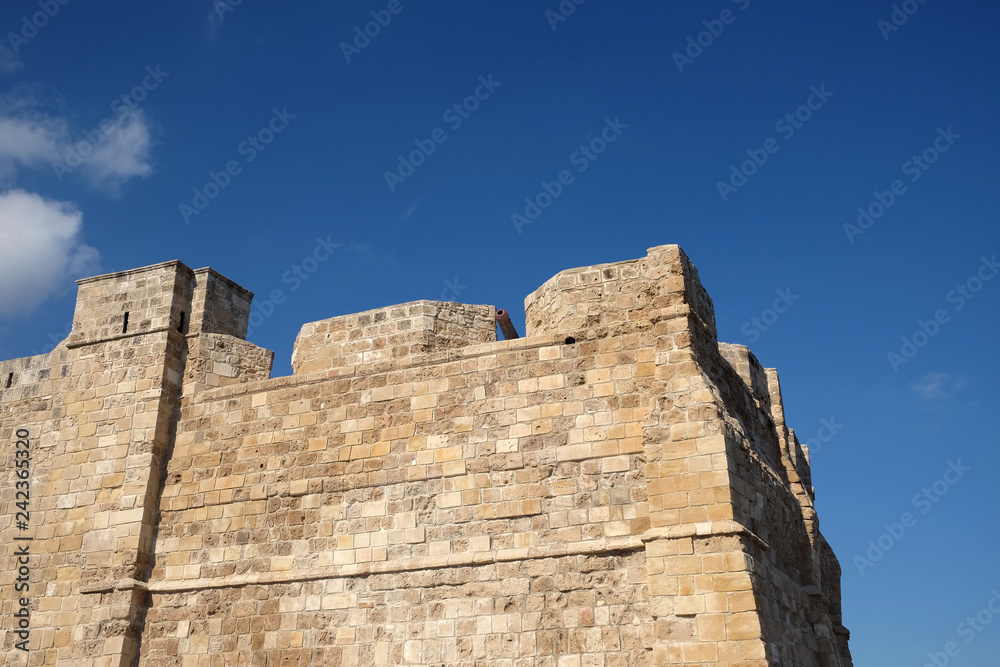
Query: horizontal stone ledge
[
  {"x": 111, "y": 586},
  {"x": 703, "y": 529},
  {"x": 588, "y": 548},
  {"x": 70, "y": 345}
]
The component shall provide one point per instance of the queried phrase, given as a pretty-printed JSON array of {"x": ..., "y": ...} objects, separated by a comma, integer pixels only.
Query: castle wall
[
  {"x": 498, "y": 457},
  {"x": 616, "y": 488},
  {"x": 393, "y": 333}
]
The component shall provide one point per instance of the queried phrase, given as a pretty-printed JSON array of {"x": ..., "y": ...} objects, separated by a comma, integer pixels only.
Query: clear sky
[{"x": 253, "y": 136}]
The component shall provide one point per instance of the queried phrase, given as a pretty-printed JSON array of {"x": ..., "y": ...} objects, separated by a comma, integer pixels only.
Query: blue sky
[{"x": 308, "y": 129}]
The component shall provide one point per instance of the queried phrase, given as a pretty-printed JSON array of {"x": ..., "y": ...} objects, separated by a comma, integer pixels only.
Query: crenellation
[
  {"x": 391, "y": 334},
  {"x": 218, "y": 305},
  {"x": 615, "y": 488}
]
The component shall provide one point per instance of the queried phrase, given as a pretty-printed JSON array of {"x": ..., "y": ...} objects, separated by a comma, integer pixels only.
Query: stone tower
[{"x": 616, "y": 488}]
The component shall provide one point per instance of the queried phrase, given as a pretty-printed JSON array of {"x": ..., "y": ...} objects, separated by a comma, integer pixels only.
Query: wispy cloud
[
  {"x": 33, "y": 136},
  {"x": 41, "y": 250},
  {"x": 365, "y": 254},
  {"x": 362, "y": 251},
  {"x": 412, "y": 208},
  {"x": 9, "y": 62},
  {"x": 220, "y": 8},
  {"x": 214, "y": 23},
  {"x": 937, "y": 386},
  {"x": 28, "y": 142},
  {"x": 122, "y": 154}
]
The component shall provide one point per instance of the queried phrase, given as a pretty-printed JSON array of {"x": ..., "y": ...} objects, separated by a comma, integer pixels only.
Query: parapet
[
  {"x": 749, "y": 369},
  {"x": 619, "y": 297},
  {"x": 391, "y": 334},
  {"x": 218, "y": 305}
]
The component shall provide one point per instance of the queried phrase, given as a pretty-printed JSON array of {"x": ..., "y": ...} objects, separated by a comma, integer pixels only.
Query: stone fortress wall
[{"x": 616, "y": 488}]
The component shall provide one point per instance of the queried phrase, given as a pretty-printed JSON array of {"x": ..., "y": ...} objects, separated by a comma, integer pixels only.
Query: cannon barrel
[{"x": 506, "y": 326}]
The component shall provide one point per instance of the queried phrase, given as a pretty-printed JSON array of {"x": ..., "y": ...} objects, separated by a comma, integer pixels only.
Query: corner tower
[{"x": 100, "y": 411}]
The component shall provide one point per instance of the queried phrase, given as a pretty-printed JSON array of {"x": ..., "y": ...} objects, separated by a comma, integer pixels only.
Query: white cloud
[
  {"x": 9, "y": 62},
  {"x": 28, "y": 142},
  {"x": 937, "y": 386},
  {"x": 40, "y": 250},
  {"x": 121, "y": 154},
  {"x": 105, "y": 156}
]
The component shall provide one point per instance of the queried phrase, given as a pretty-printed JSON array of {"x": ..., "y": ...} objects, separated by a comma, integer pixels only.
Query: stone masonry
[{"x": 615, "y": 489}]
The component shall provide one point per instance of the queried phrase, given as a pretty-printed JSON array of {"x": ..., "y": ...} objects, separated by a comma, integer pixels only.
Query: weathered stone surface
[{"x": 615, "y": 489}]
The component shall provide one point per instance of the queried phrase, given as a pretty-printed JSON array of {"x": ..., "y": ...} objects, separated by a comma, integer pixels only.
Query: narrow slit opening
[
  {"x": 10, "y": 380},
  {"x": 125, "y": 324},
  {"x": 180, "y": 324}
]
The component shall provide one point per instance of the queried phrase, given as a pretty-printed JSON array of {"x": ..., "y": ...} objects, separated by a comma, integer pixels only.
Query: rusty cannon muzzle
[{"x": 506, "y": 326}]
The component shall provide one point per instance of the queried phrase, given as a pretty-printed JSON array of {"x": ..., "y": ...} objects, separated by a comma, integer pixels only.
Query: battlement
[
  {"x": 393, "y": 333},
  {"x": 616, "y": 488},
  {"x": 621, "y": 296}
]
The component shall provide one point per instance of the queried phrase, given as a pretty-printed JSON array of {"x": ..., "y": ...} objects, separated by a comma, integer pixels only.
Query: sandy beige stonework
[{"x": 615, "y": 489}]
